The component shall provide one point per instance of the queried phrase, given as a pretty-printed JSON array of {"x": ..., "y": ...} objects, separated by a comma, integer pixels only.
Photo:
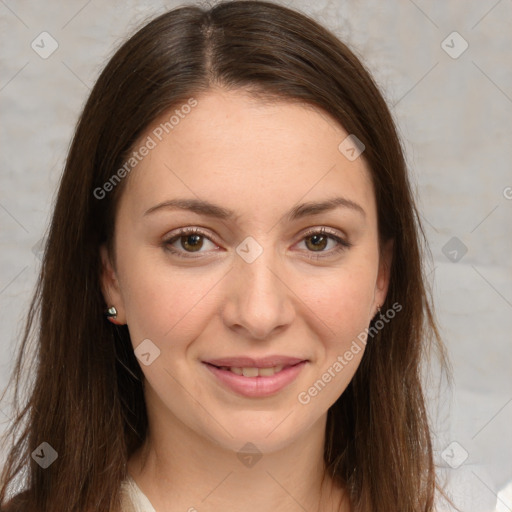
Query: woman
[{"x": 231, "y": 308}]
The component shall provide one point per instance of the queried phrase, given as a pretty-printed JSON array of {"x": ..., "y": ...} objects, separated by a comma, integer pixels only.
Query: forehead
[{"x": 253, "y": 156}]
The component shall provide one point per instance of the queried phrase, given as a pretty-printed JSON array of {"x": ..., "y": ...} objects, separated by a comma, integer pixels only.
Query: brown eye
[
  {"x": 191, "y": 242},
  {"x": 318, "y": 242},
  {"x": 187, "y": 241}
]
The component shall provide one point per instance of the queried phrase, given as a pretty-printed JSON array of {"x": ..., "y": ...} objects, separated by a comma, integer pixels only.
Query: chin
[{"x": 268, "y": 432}]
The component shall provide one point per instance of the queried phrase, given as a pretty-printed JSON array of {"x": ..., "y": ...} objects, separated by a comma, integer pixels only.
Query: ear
[
  {"x": 110, "y": 286},
  {"x": 384, "y": 274}
]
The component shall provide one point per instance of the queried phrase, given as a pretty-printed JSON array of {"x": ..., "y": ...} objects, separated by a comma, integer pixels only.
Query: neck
[{"x": 179, "y": 470}]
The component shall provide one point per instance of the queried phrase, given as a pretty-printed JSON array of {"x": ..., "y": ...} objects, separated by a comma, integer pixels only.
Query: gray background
[{"x": 454, "y": 114}]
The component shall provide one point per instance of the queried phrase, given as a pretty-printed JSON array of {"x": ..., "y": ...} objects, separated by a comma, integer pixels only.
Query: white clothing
[{"x": 133, "y": 499}]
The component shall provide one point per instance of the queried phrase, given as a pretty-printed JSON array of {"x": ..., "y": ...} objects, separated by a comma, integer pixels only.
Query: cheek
[
  {"x": 343, "y": 307},
  {"x": 162, "y": 306},
  {"x": 340, "y": 304},
  {"x": 342, "y": 300},
  {"x": 159, "y": 301}
]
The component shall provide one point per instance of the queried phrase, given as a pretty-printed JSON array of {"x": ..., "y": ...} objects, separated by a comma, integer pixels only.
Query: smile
[
  {"x": 252, "y": 371},
  {"x": 253, "y": 381}
]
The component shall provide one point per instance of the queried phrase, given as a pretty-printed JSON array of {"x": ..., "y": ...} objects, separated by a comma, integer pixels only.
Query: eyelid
[
  {"x": 342, "y": 242},
  {"x": 187, "y": 231},
  {"x": 325, "y": 231},
  {"x": 192, "y": 230}
]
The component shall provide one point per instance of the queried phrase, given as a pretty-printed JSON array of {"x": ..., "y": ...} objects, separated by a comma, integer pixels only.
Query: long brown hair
[{"x": 86, "y": 395}]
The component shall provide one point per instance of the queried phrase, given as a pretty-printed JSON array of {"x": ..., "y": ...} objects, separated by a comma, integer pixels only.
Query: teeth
[
  {"x": 266, "y": 372},
  {"x": 254, "y": 372},
  {"x": 250, "y": 372}
]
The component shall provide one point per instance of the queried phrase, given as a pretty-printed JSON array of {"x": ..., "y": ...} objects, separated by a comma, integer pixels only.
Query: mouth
[
  {"x": 256, "y": 378},
  {"x": 251, "y": 371}
]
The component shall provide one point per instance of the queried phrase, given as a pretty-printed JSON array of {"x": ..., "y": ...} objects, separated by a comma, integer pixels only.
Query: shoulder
[{"x": 132, "y": 500}]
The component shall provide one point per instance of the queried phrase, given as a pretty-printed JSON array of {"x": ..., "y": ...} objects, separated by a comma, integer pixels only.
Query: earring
[{"x": 111, "y": 315}]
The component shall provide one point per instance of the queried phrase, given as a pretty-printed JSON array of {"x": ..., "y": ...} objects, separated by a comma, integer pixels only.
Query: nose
[{"x": 259, "y": 301}]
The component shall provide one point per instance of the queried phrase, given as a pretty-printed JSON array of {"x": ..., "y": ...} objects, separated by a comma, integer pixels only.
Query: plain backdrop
[{"x": 445, "y": 70}]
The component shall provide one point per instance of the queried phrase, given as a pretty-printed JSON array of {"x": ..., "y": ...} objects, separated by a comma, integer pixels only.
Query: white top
[{"x": 133, "y": 499}]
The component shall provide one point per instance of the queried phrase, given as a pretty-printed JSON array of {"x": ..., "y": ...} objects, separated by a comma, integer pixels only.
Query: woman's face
[{"x": 260, "y": 288}]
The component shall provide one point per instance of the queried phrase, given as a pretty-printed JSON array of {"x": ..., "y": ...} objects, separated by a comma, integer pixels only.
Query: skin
[{"x": 259, "y": 159}]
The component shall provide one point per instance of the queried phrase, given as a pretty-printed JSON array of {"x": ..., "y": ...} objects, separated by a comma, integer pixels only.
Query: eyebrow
[{"x": 203, "y": 207}]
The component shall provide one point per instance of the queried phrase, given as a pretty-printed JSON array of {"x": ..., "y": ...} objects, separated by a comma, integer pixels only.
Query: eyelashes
[
  {"x": 325, "y": 234},
  {"x": 188, "y": 234},
  {"x": 192, "y": 237}
]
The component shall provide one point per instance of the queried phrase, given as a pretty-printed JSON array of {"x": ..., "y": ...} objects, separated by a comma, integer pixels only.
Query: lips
[
  {"x": 256, "y": 377},
  {"x": 250, "y": 371},
  {"x": 251, "y": 367},
  {"x": 250, "y": 362}
]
